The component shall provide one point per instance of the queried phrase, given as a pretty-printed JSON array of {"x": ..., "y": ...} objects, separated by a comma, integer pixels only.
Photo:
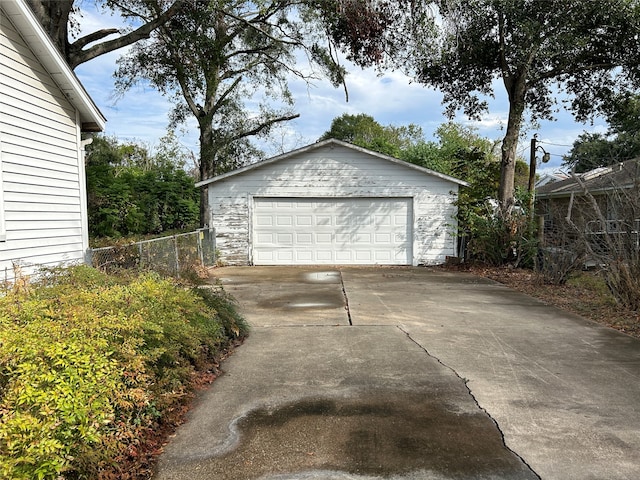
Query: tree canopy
[
  {"x": 133, "y": 192},
  {"x": 60, "y": 19},
  {"x": 620, "y": 143},
  {"x": 363, "y": 130},
  {"x": 581, "y": 50},
  {"x": 226, "y": 64}
]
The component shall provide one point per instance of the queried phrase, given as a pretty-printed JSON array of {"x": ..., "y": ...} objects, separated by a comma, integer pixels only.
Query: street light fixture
[{"x": 546, "y": 156}]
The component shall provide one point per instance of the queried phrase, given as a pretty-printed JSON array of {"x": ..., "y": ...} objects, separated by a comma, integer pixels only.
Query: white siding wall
[
  {"x": 335, "y": 171},
  {"x": 41, "y": 169}
]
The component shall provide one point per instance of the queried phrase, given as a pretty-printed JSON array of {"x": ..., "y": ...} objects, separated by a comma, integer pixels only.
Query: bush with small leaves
[{"x": 89, "y": 361}]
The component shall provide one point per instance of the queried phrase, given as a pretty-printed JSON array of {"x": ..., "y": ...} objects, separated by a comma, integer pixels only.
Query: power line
[{"x": 555, "y": 144}]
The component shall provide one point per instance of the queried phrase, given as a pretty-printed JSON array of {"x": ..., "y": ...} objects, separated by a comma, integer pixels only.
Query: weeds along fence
[{"x": 175, "y": 255}]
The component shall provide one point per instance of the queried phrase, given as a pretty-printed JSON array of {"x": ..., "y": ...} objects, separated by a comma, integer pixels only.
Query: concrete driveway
[{"x": 410, "y": 373}]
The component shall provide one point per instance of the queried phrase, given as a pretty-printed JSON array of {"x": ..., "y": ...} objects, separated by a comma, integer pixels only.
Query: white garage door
[{"x": 357, "y": 231}]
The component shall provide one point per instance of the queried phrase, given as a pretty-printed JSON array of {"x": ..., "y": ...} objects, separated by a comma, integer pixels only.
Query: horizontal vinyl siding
[
  {"x": 41, "y": 177},
  {"x": 21, "y": 65},
  {"x": 336, "y": 172}
]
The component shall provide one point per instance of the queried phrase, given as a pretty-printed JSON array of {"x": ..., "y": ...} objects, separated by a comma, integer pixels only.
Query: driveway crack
[
  {"x": 346, "y": 298},
  {"x": 475, "y": 400}
]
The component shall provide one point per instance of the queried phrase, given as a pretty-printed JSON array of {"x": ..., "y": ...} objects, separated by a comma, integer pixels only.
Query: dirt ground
[{"x": 585, "y": 295}]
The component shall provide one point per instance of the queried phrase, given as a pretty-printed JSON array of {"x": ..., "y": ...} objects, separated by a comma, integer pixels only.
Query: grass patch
[{"x": 91, "y": 363}]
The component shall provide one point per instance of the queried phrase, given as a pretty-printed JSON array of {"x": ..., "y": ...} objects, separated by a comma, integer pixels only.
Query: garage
[
  {"x": 346, "y": 231},
  {"x": 333, "y": 203}
]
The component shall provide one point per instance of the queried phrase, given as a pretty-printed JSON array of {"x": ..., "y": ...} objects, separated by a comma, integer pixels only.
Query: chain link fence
[{"x": 175, "y": 255}]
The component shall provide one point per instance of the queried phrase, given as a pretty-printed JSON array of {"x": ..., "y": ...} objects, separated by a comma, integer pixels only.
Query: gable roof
[
  {"x": 602, "y": 179},
  {"x": 324, "y": 143},
  {"x": 41, "y": 45}
]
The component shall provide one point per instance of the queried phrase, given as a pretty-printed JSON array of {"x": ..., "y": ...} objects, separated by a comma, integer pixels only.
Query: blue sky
[{"x": 142, "y": 114}]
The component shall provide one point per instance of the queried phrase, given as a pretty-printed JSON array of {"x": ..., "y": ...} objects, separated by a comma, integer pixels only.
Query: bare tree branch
[{"x": 263, "y": 126}]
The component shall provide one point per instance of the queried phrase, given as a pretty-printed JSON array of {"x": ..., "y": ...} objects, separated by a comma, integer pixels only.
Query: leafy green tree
[
  {"x": 226, "y": 64},
  {"x": 363, "y": 130},
  {"x": 61, "y": 20},
  {"x": 460, "y": 152},
  {"x": 586, "y": 49},
  {"x": 620, "y": 143},
  {"x": 442, "y": 156},
  {"x": 131, "y": 192}
]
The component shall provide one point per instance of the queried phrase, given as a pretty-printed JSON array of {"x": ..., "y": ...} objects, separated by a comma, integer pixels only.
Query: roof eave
[
  {"x": 323, "y": 143},
  {"x": 593, "y": 191},
  {"x": 92, "y": 120}
]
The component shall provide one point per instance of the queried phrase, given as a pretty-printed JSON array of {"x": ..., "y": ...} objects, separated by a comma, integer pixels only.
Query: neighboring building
[
  {"x": 601, "y": 201},
  {"x": 333, "y": 203},
  {"x": 44, "y": 110},
  {"x": 550, "y": 177}
]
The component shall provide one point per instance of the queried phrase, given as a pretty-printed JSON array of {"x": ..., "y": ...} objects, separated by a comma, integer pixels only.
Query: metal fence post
[
  {"x": 199, "y": 238},
  {"x": 175, "y": 249}
]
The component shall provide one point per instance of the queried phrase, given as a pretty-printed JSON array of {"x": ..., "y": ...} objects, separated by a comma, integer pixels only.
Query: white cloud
[{"x": 142, "y": 114}]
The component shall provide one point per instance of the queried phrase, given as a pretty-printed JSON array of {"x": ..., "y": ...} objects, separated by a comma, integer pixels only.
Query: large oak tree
[
  {"x": 583, "y": 51},
  {"x": 226, "y": 64}
]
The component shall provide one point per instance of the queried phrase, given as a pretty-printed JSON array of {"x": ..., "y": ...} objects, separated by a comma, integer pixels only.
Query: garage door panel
[
  {"x": 304, "y": 238},
  {"x": 304, "y": 256},
  {"x": 343, "y": 256},
  {"x": 265, "y": 238},
  {"x": 363, "y": 256},
  {"x": 263, "y": 220},
  {"x": 343, "y": 238},
  {"x": 323, "y": 220},
  {"x": 362, "y": 238},
  {"x": 361, "y": 220},
  {"x": 285, "y": 256},
  {"x": 384, "y": 257},
  {"x": 304, "y": 220},
  {"x": 340, "y": 231},
  {"x": 324, "y": 255},
  {"x": 324, "y": 238},
  {"x": 262, "y": 257},
  {"x": 284, "y": 238},
  {"x": 284, "y": 220},
  {"x": 384, "y": 238},
  {"x": 382, "y": 220},
  {"x": 399, "y": 220}
]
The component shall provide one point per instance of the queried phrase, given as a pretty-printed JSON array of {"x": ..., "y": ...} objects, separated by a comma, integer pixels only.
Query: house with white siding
[
  {"x": 333, "y": 203},
  {"x": 44, "y": 112}
]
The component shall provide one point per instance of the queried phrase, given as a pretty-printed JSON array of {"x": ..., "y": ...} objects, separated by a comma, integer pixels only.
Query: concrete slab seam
[
  {"x": 465, "y": 381},
  {"x": 346, "y": 298}
]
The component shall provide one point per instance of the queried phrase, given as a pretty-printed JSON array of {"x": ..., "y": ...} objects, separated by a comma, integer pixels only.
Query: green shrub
[
  {"x": 88, "y": 362},
  {"x": 496, "y": 241}
]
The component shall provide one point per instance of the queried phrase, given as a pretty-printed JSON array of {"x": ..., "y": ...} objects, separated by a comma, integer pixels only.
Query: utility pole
[
  {"x": 532, "y": 170},
  {"x": 532, "y": 165},
  {"x": 532, "y": 176}
]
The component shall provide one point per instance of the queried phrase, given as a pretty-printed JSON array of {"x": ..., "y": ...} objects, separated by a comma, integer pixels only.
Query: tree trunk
[
  {"x": 53, "y": 15},
  {"x": 517, "y": 93},
  {"x": 207, "y": 165}
]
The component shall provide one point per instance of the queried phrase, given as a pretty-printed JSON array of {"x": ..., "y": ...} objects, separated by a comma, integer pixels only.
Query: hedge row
[{"x": 88, "y": 362}]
